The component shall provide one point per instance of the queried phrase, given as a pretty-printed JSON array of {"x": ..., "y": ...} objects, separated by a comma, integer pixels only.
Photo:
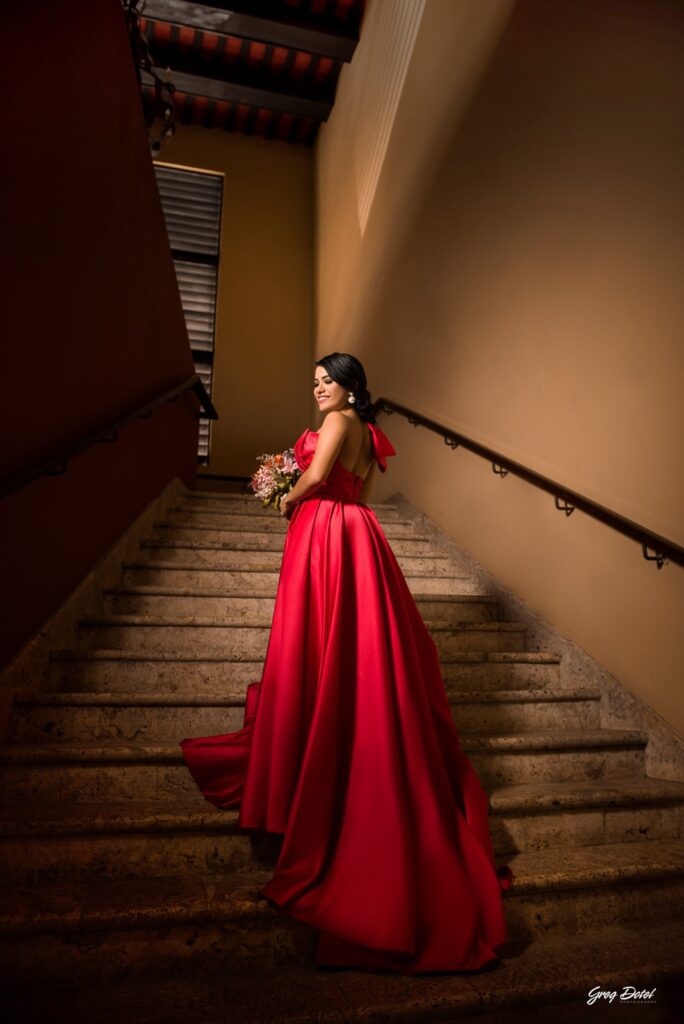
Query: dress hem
[{"x": 375, "y": 955}]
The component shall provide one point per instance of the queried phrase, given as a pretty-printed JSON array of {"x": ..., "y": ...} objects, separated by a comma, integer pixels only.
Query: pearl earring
[{"x": 351, "y": 398}]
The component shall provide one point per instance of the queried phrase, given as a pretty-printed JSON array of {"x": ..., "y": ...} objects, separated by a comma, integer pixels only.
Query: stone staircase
[{"x": 124, "y": 892}]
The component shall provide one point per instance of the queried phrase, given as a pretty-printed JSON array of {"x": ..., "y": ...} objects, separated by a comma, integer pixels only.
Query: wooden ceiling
[{"x": 260, "y": 67}]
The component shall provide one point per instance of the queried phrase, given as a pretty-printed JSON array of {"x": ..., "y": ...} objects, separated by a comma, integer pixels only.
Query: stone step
[
  {"x": 125, "y": 717},
  {"x": 455, "y": 608},
  {"x": 218, "y": 517},
  {"x": 145, "y": 838},
  {"x": 246, "y": 581},
  {"x": 117, "y": 771},
  {"x": 502, "y": 670},
  {"x": 123, "y": 670},
  {"x": 156, "y": 716},
  {"x": 273, "y": 522},
  {"x": 174, "y": 601},
  {"x": 131, "y": 839},
  {"x": 585, "y": 888},
  {"x": 234, "y": 520},
  {"x": 266, "y": 540},
  {"x": 202, "y": 497},
  {"x": 541, "y": 815},
  {"x": 154, "y": 633},
  {"x": 252, "y": 504},
  {"x": 221, "y": 918},
  {"x": 188, "y": 601},
  {"x": 259, "y": 532},
  {"x": 524, "y": 711},
  {"x": 258, "y": 580},
  {"x": 534, "y": 984},
  {"x": 267, "y": 519},
  {"x": 53, "y": 930},
  {"x": 556, "y": 756},
  {"x": 102, "y": 669},
  {"x": 190, "y": 554}
]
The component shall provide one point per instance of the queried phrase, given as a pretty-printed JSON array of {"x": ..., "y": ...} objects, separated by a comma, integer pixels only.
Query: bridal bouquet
[{"x": 276, "y": 475}]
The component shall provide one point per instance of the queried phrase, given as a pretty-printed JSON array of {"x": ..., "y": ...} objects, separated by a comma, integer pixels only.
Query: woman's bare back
[{"x": 356, "y": 453}]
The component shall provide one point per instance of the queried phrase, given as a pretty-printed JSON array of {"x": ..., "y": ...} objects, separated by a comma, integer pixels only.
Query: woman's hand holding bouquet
[
  {"x": 286, "y": 507},
  {"x": 274, "y": 479}
]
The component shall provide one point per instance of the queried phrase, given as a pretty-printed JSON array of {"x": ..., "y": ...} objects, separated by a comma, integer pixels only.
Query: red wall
[{"x": 92, "y": 325}]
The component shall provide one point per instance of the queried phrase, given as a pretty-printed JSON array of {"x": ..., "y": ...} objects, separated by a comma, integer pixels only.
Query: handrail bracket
[
  {"x": 658, "y": 558},
  {"x": 563, "y": 506}
]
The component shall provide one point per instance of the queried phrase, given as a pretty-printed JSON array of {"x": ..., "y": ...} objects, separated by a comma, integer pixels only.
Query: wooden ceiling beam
[
  {"x": 232, "y": 92},
  {"x": 192, "y": 62},
  {"x": 253, "y": 20}
]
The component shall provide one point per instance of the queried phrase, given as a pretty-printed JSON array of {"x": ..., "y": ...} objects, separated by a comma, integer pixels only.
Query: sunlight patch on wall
[{"x": 394, "y": 27}]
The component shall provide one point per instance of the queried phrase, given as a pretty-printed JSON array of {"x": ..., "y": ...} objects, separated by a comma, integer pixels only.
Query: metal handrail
[
  {"x": 565, "y": 499},
  {"x": 57, "y": 465}
]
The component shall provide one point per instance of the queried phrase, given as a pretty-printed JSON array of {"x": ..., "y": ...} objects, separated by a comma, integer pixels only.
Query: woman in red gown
[{"x": 348, "y": 747}]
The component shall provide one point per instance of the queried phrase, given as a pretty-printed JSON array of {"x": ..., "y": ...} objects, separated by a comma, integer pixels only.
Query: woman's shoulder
[
  {"x": 334, "y": 421},
  {"x": 336, "y": 418}
]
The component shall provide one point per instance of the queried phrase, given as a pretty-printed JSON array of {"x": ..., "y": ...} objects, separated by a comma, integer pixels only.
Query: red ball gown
[{"x": 349, "y": 750}]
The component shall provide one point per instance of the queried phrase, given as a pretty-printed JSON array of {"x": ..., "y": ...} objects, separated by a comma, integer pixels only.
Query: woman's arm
[
  {"x": 329, "y": 445},
  {"x": 306, "y": 483}
]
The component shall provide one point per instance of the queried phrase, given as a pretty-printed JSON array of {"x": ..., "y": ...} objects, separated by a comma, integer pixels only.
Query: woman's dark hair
[{"x": 347, "y": 371}]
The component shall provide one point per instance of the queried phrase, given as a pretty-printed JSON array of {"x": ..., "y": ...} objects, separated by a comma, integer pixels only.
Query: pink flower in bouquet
[{"x": 276, "y": 475}]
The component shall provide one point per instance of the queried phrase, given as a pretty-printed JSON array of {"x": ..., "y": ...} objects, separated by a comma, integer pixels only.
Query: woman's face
[{"x": 327, "y": 392}]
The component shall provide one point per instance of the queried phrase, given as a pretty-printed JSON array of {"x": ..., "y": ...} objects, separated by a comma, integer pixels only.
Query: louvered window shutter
[{"x": 192, "y": 201}]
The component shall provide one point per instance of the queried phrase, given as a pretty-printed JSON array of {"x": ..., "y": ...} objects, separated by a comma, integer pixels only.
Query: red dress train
[{"x": 349, "y": 750}]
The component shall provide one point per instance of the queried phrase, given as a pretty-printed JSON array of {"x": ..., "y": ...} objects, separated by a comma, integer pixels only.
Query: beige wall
[
  {"x": 263, "y": 355},
  {"x": 519, "y": 279}
]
